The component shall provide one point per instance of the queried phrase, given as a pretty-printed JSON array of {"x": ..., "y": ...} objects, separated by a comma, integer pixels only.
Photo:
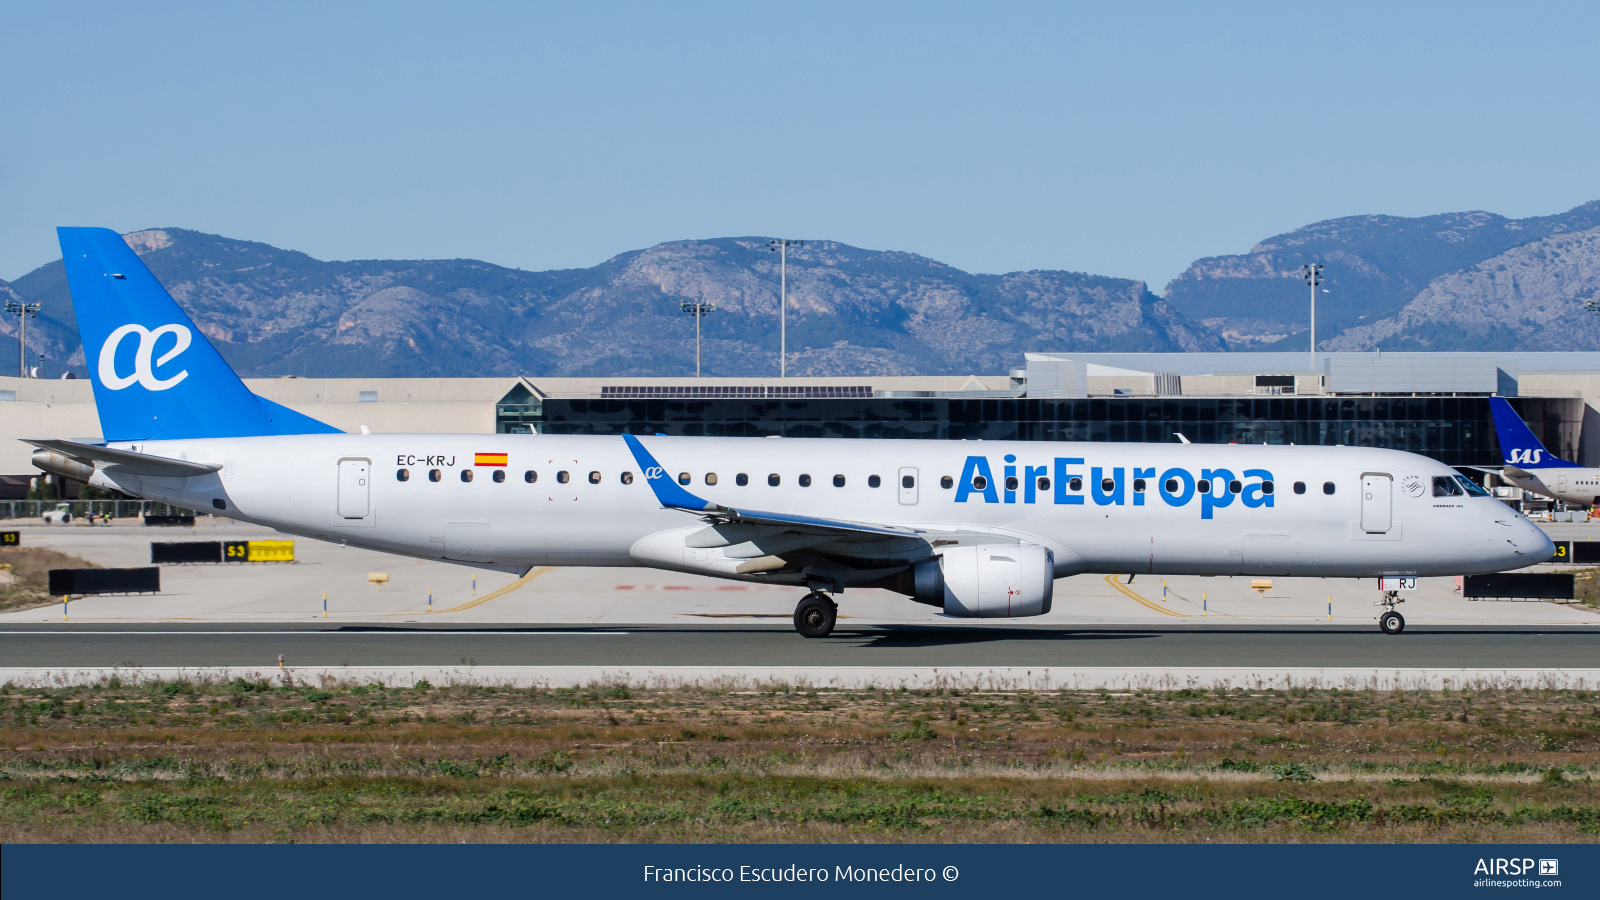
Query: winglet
[
  {"x": 1518, "y": 446},
  {"x": 671, "y": 495}
]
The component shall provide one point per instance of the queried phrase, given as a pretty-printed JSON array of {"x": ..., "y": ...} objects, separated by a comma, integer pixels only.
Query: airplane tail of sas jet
[
  {"x": 1518, "y": 446},
  {"x": 155, "y": 375}
]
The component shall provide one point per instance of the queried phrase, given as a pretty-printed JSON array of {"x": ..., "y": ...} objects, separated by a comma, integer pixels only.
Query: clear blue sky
[{"x": 1115, "y": 138}]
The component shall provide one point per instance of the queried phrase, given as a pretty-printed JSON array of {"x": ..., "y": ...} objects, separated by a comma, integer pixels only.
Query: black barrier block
[
  {"x": 1542, "y": 586},
  {"x": 1586, "y": 553},
  {"x": 235, "y": 551},
  {"x": 1563, "y": 553},
  {"x": 185, "y": 521},
  {"x": 105, "y": 581},
  {"x": 10, "y": 538},
  {"x": 186, "y": 552}
]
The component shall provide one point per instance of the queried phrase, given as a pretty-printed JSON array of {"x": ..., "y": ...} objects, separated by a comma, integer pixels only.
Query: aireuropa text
[{"x": 793, "y": 873}]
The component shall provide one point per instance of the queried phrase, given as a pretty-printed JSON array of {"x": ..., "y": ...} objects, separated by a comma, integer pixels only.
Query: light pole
[
  {"x": 700, "y": 309},
  {"x": 1311, "y": 273},
  {"x": 23, "y": 311},
  {"x": 782, "y": 249}
]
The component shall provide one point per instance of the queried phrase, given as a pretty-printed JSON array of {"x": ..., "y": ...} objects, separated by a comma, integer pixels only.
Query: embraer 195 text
[{"x": 979, "y": 529}]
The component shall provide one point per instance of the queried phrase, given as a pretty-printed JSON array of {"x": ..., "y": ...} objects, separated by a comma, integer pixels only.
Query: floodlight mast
[
  {"x": 23, "y": 311},
  {"x": 1311, "y": 273},
  {"x": 782, "y": 247},
  {"x": 700, "y": 309}
]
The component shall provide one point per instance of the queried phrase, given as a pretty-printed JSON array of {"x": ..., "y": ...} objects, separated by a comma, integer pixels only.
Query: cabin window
[
  {"x": 1445, "y": 486},
  {"x": 1108, "y": 485},
  {"x": 684, "y": 478},
  {"x": 1203, "y": 485},
  {"x": 1044, "y": 484},
  {"x": 402, "y": 475},
  {"x": 979, "y": 482},
  {"x": 908, "y": 481},
  {"x": 1011, "y": 483},
  {"x": 1235, "y": 487},
  {"x": 873, "y": 481},
  {"x": 1327, "y": 488},
  {"x": 1172, "y": 485},
  {"x": 711, "y": 478},
  {"x": 434, "y": 475},
  {"x": 499, "y": 476},
  {"x": 838, "y": 481},
  {"x": 805, "y": 481},
  {"x": 1299, "y": 487},
  {"x": 947, "y": 482},
  {"x": 594, "y": 477},
  {"x": 466, "y": 475},
  {"x": 741, "y": 479},
  {"x": 1138, "y": 485},
  {"x": 773, "y": 480},
  {"x": 1076, "y": 484},
  {"x": 530, "y": 476},
  {"x": 627, "y": 478},
  {"x": 563, "y": 476},
  {"x": 1267, "y": 487}
]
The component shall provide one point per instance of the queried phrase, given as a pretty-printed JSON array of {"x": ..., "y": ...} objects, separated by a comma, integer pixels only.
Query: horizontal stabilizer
[{"x": 126, "y": 460}]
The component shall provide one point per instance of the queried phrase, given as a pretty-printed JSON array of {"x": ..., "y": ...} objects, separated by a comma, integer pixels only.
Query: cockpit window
[
  {"x": 1445, "y": 486},
  {"x": 1473, "y": 488}
]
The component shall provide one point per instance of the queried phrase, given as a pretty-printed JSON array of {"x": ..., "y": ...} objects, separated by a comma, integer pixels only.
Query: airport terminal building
[{"x": 1434, "y": 404}]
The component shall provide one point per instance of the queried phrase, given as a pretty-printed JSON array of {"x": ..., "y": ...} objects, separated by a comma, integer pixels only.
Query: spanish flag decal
[{"x": 488, "y": 459}]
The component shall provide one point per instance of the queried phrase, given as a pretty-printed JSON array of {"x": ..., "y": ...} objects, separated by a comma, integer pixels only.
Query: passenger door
[
  {"x": 908, "y": 487},
  {"x": 355, "y": 489},
  {"x": 1377, "y": 507}
]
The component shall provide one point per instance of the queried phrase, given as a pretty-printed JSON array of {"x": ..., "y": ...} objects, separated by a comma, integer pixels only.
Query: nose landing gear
[
  {"x": 1389, "y": 621},
  {"x": 815, "y": 616}
]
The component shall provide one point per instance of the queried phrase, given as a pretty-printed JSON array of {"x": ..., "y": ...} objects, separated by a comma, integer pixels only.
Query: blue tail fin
[
  {"x": 155, "y": 375},
  {"x": 1518, "y": 446}
]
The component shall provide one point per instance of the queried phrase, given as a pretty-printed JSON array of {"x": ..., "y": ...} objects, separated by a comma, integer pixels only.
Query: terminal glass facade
[{"x": 1457, "y": 431}]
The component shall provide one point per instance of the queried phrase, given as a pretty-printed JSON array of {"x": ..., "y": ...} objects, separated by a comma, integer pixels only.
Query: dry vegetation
[
  {"x": 257, "y": 761},
  {"x": 29, "y": 571}
]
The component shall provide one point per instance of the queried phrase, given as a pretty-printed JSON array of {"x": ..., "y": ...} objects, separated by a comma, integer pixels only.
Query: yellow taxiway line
[
  {"x": 532, "y": 574},
  {"x": 1128, "y": 592}
]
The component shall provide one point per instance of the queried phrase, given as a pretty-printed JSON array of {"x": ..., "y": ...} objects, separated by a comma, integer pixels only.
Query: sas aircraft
[
  {"x": 1529, "y": 466},
  {"x": 977, "y": 529}
]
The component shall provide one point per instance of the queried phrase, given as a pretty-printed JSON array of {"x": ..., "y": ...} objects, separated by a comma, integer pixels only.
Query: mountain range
[{"x": 1459, "y": 281}]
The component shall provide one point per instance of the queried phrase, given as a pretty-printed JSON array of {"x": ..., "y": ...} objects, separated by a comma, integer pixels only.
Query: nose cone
[{"x": 1530, "y": 544}]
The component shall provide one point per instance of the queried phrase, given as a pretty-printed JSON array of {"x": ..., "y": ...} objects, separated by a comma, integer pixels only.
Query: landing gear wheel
[
  {"x": 1392, "y": 622},
  {"x": 815, "y": 616}
]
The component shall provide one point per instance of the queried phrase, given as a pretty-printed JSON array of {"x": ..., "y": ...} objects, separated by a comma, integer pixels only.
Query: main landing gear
[
  {"x": 1389, "y": 621},
  {"x": 815, "y": 616}
]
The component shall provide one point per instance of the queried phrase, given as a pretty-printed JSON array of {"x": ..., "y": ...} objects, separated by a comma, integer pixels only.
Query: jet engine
[{"x": 988, "y": 581}]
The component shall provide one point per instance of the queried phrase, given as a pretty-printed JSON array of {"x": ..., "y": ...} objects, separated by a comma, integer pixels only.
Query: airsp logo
[
  {"x": 143, "y": 369},
  {"x": 653, "y": 473},
  {"x": 1412, "y": 486},
  {"x": 1526, "y": 457}
]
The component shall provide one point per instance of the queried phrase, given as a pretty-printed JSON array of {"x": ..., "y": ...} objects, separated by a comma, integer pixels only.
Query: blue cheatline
[
  {"x": 1518, "y": 446},
  {"x": 155, "y": 375}
]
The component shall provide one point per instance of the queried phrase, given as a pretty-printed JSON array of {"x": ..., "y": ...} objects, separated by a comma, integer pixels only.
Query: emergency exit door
[
  {"x": 1377, "y": 506},
  {"x": 355, "y": 476},
  {"x": 908, "y": 487}
]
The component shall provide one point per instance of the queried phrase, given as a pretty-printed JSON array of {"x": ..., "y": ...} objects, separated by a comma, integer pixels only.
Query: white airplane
[
  {"x": 1533, "y": 468},
  {"x": 979, "y": 529}
]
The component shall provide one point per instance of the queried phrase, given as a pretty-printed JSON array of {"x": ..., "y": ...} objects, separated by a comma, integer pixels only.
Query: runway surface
[{"x": 752, "y": 644}]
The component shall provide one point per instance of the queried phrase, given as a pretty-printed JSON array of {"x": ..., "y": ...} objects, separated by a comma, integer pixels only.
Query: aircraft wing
[
  {"x": 673, "y": 496},
  {"x": 129, "y": 461}
]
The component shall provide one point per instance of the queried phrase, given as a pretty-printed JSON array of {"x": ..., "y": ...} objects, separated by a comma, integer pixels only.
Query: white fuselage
[
  {"x": 1578, "y": 486},
  {"x": 305, "y": 485}
]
